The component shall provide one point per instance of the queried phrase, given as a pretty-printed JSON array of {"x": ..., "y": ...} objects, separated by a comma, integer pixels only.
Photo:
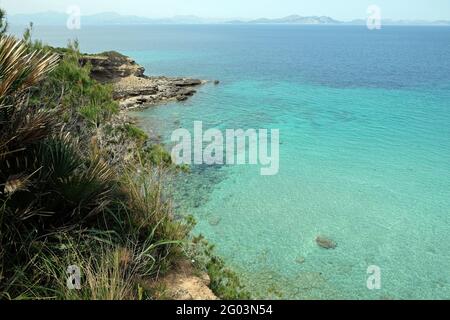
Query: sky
[{"x": 338, "y": 9}]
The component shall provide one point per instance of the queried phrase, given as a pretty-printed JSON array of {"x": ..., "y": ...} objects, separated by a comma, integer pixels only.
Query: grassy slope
[{"x": 89, "y": 192}]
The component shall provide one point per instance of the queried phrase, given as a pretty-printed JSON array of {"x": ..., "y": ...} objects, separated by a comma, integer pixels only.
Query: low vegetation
[
  {"x": 61, "y": 202},
  {"x": 79, "y": 185}
]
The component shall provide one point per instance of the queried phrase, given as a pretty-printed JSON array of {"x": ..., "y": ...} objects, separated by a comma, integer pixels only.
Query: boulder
[
  {"x": 182, "y": 98},
  {"x": 325, "y": 242},
  {"x": 300, "y": 260},
  {"x": 187, "y": 82}
]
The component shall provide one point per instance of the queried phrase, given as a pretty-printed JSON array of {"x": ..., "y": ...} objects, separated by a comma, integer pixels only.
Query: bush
[
  {"x": 135, "y": 133},
  {"x": 60, "y": 202},
  {"x": 64, "y": 202},
  {"x": 225, "y": 283}
]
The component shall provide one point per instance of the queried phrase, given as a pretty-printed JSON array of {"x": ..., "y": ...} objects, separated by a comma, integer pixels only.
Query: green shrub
[
  {"x": 60, "y": 201},
  {"x": 225, "y": 283},
  {"x": 157, "y": 155},
  {"x": 70, "y": 88},
  {"x": 135, "y": 133}
]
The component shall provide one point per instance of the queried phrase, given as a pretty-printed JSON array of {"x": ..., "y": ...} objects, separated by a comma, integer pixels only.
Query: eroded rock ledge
[
  {"x": 135, "y": 90},
  {"x": 183, "y": 283},
  {"x": 132, "y": 88}
]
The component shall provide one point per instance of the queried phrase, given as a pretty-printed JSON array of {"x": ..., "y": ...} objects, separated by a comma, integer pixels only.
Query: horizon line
[{"x": 225, "y": 19}]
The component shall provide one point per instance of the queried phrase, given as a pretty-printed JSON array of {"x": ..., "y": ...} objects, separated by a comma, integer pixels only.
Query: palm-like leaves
[
  {"x": 45, "y": 182},
  {"x": 21, "y": 126},
  {"x": 52, "y": 189},
  {"x": 19, "y": 69}
]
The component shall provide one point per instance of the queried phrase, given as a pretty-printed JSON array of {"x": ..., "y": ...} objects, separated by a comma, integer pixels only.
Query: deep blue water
[{"x": 364, "y": 118}]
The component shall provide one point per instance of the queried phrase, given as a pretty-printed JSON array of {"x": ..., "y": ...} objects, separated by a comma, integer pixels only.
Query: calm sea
[{"x": 364, "y": 119}]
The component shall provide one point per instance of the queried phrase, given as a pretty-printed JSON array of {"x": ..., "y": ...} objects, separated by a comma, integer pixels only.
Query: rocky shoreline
[{"x": 132, "y": 88}]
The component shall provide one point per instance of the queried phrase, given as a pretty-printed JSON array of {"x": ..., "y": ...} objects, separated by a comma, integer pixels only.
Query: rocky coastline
[{"x": 131, "y": 87}]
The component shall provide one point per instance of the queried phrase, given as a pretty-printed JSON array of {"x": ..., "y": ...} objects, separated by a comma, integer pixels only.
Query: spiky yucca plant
[
  {"x": 60, "y": 203},
  {"x": 21, "y": 127},
  {"x": 19, "y": 69},
  {"x": 46, "y": 185}
]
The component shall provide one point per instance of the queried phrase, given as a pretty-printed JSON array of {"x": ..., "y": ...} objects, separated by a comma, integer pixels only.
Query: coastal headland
[{"x": 132, "y": 88}]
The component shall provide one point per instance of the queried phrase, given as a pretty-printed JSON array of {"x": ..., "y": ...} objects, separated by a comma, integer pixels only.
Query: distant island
[
  {"x": 324, "y": 20},
  {"x": 293, "y": 19},
  {"x": 52, "y": 18}
]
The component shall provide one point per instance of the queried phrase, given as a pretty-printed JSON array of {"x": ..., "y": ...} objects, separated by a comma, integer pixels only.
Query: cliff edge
[{"x": 132, "y": 88}]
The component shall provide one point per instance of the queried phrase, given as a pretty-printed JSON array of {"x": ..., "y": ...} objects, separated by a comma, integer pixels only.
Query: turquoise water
[
  {"x": 347, "y": 170},
  {"x": 364, "y": 121}
]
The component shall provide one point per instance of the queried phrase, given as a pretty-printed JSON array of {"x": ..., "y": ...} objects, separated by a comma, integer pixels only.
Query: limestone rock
[
  {"x": 183, "y": 283},
  {"x": 108, "y": 66},
  {"x": 132, "y": 89}
]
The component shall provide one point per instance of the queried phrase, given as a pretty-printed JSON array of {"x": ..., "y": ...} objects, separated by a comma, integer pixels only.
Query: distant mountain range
[
  {"x": 111, "y": 18},
  {"x": 108, "y": 18},
  {"x": 324, "y": 20},
  {"x": 294, "y": 19},
  {"x": 392, "y": 22}
]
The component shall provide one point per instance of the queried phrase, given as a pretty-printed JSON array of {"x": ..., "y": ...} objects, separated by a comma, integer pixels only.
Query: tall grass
[
  {"x": 67, "y": 197},
  {"x": 61, "y": 202}
]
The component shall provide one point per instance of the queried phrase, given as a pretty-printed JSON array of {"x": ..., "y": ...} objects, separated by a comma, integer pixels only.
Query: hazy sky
[{"x": 339, "y": 9}]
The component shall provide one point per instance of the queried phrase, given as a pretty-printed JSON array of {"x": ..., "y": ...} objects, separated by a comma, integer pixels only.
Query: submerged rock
[
  {"x": 325, "y": 243},
  {"x": 182, "y": 98},
  {"x": 300, "y": 260},
  {"x": 214, "y": 221}
]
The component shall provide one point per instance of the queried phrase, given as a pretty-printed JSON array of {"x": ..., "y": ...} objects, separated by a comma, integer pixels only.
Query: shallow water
[{"x": 364, "y": 157}]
